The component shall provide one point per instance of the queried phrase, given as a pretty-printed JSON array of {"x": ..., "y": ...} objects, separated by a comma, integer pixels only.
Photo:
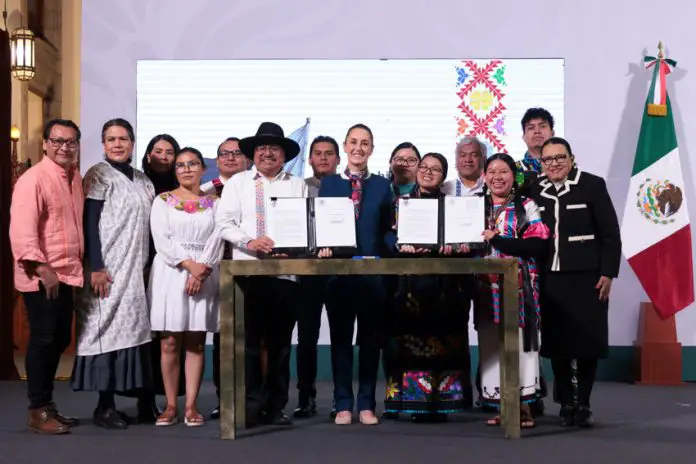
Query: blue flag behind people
[{"x": 296, "y": 166}]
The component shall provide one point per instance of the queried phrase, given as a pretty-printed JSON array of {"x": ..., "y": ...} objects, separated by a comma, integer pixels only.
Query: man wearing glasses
[
  {"x": 230, "y": 161},
  {"x": 47, "y": 241}
]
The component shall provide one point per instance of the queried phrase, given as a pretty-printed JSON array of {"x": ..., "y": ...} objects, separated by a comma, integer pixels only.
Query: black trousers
[
  {"x": 585, "y": 375},
  {"x": 308, "y": 324},
  {"x": 352, "y": 298},
  {"x": 50, "y": 327},
  {"x": 270, "y": 316}
]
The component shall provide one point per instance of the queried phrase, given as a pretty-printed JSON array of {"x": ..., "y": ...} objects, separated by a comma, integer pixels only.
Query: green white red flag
[{"x": 656, "y": 231}]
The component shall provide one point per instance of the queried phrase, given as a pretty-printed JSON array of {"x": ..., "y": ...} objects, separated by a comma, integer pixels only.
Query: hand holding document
[
  {"x": 334, "y": 222},
  {"x": 465, "y": 219},
  {"x": 417, "y": 222},
  {"x": 286, "y": 222}
]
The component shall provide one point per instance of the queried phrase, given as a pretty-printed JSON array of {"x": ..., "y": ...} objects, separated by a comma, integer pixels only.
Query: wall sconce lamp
[
  {"x": 23, "y": 51},
  {"x": 17, "y": 167}
]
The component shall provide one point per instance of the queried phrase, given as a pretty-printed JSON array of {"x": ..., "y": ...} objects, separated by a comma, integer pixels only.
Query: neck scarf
[
  {"x": 356, "y": 183},
  {"x": 533, "y": 164}
]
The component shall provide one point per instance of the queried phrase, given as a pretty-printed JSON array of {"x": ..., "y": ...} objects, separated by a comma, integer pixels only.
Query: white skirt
[
  {"x": 172, "y": 310},
  {"x": 489, "y": 362}
]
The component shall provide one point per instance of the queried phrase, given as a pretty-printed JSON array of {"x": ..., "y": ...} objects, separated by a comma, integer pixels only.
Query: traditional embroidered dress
[
  {"x": 513, "y": 240},
  {"x": 113, "y": 333},
  {"x": 427, "y": 345},
  {"x": 184, "y": 230}
]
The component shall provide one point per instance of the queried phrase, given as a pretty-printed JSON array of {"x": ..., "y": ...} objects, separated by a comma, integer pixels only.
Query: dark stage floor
[{"x": 635, "y": 425}]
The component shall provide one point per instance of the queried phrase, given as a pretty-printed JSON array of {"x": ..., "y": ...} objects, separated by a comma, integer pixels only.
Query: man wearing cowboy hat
[{"x": 271, "y": 302}]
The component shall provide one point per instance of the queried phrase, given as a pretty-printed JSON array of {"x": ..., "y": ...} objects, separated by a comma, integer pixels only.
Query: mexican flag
[{"x": 656, "y": 232}]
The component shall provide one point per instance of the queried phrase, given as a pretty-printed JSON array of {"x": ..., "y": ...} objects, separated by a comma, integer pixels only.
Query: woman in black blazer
[{"x": 583, "y": 260}]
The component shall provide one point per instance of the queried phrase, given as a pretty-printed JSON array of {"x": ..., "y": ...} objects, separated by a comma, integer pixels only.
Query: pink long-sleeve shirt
[{"x": 46, "y": 224}]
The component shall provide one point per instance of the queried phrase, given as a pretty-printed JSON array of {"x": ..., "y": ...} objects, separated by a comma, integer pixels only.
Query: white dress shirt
[
  {"x": 456, "y": 188},
  {"x": 236, "y": 213}
]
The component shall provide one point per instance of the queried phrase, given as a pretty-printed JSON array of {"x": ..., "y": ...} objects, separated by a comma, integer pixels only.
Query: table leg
[
  {"x": 510, "y": 354},
  {"x": 239, "y": 357},
  {"x": 228, "y": 429}
]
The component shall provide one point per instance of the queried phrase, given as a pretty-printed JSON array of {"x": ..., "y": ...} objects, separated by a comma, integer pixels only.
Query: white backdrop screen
[{"x": 431, "y": 103}]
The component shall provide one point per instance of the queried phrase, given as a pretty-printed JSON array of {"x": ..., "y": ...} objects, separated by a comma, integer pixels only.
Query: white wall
[{"x": 603, "y": 43}]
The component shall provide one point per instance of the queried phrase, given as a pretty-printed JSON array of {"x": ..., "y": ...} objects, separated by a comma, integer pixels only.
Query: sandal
[
  {"x": 193, "y": 418},
  {"x": 493, "y": 421},
  {"x": 526, "y": 418},
  {"x": 168, "y": 417}
]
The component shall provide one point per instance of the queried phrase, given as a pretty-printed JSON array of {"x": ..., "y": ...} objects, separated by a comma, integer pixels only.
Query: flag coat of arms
[{"x": 656, "y": 231}]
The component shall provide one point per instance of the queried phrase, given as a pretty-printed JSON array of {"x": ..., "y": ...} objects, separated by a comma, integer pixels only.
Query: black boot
[
  {"x": 148, "y": 411},
  {"x": 583, "y": 418},
  {"x": 567, "y": 416}
]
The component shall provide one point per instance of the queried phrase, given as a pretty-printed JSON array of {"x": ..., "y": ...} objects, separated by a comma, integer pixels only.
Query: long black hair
[
  {"x": 151, "y": 146},
  {"x": 516, "y": 197},
  {"x": 507, "y": 159},
  {"x": 163, "y": 182}
]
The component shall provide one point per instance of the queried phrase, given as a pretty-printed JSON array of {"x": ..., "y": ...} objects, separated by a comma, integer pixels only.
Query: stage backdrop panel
[
  {"x": 604, "y": 79},
  {"x": 431, "y": 103}
]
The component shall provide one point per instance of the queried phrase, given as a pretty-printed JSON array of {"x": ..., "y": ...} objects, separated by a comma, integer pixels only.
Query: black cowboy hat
[{"x": 269, "y": 133}]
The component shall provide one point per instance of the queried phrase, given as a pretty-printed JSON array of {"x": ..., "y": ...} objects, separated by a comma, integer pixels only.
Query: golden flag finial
[{"x": 660, "y": 48}]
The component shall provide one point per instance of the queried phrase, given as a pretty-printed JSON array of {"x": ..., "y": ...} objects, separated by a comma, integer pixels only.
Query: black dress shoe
[
  {"x": 68, "y": 421},
  {"x": 583, "y": 417},
  {"x": 126, "y": 418},
  {"x": 215, "y": 413},
  {"x": 278, "y": 418},
  {"x": 148, "y": 411},
  {"x": 306, "y": 409},
  {"x": 567, "y": 416},
  {"x": 109, "y": 419}
]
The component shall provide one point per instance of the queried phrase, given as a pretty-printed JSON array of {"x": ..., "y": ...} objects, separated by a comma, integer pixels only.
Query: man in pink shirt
[{"x": 48, "y": 245}]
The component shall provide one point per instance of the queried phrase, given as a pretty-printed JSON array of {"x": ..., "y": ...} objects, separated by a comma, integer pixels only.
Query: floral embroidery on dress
[{"x": 189, "y": 206}]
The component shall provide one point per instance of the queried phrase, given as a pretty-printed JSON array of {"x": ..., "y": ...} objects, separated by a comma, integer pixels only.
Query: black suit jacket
[{"x": 582, "y": 219}]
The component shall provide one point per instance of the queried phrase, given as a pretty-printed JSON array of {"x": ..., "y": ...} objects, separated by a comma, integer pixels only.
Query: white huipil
[{"x": 184, "y": 230}]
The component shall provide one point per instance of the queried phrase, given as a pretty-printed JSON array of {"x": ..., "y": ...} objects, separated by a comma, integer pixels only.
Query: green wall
[{"x": 618, "y": 367}]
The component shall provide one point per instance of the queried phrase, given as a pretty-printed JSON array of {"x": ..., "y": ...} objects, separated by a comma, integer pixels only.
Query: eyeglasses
[
  {"x": 230, "y": 154},
  {"x": 407, "y": 161},
  {"x": 191, "y": 165},
  {"x": 560, "y": 159},
  {"x": 70, "y": 144},
  {"x": 431, "y": 169}
]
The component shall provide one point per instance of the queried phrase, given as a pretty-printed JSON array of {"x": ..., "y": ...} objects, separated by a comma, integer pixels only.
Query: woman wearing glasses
[
  {"x": 112, "y": 317},
  {"x": 403, "y": 165},
  {"x": 183, "y": 289},
  {"x": 426, "y": 327},
  {"x": 584, "y": 259}
]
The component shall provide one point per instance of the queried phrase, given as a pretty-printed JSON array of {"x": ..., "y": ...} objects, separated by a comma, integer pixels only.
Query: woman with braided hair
[{"x": 515, "y": 229}]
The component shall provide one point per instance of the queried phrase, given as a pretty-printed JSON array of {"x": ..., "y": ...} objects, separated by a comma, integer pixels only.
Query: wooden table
[{"x": 232, "y": 338}]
